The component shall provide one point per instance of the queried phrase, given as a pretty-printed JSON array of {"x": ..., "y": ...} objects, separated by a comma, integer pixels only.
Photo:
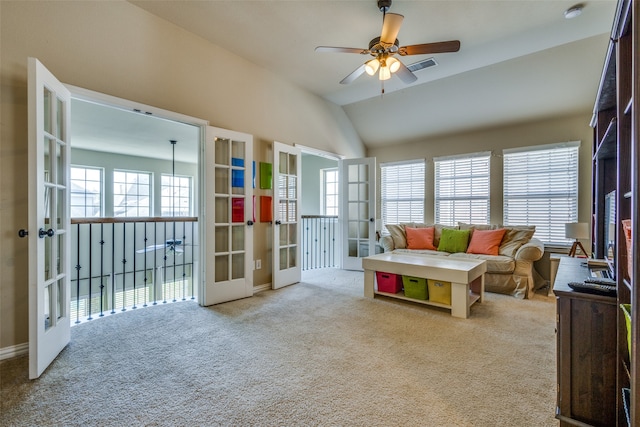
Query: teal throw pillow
[{"x": 454, "y": 240}]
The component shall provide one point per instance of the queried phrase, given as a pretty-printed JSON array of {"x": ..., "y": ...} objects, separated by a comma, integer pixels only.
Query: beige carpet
[{"x": 313, "y": 354}]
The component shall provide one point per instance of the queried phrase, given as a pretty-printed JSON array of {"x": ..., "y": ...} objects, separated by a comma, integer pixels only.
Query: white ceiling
[{"x": 519, "y": 60}]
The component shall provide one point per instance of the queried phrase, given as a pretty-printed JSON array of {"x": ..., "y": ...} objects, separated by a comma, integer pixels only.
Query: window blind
[
  {"x": 462, "y": 189},
  {"x": 541, "y": 189},
  {"x": 402, "y": 192}
]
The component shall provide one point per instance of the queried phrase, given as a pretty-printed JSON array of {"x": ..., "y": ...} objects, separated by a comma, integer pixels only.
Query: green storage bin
[
  {"x": 415, "y": 287},
  {"x": 626, "y": 309}
]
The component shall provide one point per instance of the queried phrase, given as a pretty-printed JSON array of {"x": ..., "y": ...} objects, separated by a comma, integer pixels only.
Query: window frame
[
  {"x": 472, "y": 189},
  {"x": 173, "y": 177},
  {"x": 416, "y": 196},
  {"x": 101, "y": 207},
  {"x": 114, "y": 194},
  {"x": 566, "y": 194},
  {"x": 323, "y": 196}
]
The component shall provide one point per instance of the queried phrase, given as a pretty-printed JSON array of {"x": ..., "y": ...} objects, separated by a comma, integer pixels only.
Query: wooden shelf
[
  {"x": 615, "y": 136},
  {"x": 607, "y": 146},
  {"x": 628, "y": 108},
  {"x": 473, "y": 298}
]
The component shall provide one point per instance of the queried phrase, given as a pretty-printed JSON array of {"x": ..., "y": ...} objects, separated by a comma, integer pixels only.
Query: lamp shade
[{"x": 576, "y": 230}]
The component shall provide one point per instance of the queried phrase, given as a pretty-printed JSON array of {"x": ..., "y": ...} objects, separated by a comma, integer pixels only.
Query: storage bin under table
[{"x": 461, "y": 273}]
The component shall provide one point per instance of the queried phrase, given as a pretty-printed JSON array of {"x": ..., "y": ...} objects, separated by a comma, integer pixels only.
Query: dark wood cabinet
[
  {"x": 587, "y": 351},
  {"x": 615, "y": 183}
]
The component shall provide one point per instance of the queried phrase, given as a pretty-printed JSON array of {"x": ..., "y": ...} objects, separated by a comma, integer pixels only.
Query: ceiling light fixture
[{"x": 573, "y": 11}]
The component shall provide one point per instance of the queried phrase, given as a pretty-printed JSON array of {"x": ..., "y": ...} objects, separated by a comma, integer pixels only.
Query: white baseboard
[{"x": 14, "y": 350}]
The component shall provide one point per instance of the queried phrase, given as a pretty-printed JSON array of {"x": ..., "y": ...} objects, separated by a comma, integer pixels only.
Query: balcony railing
[
  {"x": 126, "y": 263},
  {"x": 319, "y": 236}
]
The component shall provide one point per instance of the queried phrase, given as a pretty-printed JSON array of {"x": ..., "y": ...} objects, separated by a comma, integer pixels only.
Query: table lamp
[{"x": 576, "y": 231}]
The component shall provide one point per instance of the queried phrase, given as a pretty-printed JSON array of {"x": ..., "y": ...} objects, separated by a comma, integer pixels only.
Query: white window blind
[
  {"x": 541, "y": 189},
  {"x": 462, "y": 189},
  {"x": 402, "y": 192}
]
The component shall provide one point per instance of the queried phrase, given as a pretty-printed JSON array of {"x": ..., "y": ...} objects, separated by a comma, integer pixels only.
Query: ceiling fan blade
[
  {"x": 342, "y": 49},
  {"x": 405, "y": 74},
  {"x": 150, "y": 248},
  {"x": 439, "y": 47},
  {"x": 354, "y": 75},
  {"x": 391, "y": 28}
]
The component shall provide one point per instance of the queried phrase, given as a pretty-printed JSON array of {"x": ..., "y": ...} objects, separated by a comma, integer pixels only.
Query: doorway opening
[
  {"x": 135, "y": 202},
  {"x": 320, "y": 203}
]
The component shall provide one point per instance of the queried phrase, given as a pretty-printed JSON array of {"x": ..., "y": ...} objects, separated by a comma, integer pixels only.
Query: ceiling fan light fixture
[
  {"x": 372, "y": 66},
  {"x": 393, "y": 64},
  {"x": 384, "y": 73}
]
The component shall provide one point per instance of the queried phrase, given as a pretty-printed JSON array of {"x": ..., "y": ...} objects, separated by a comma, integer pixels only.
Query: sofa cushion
[
  {"x": 438, "y": 229},
  {"x": 473, "y": 227},
  {"x": 453, "y": 240},
  {"x": 486, "y": 242},
  {"x": 495, "y": 263},
  {"x": 420, "y": 238},
  {"x": 514, "y": 238},
  {"x": 398, "y": 235}
]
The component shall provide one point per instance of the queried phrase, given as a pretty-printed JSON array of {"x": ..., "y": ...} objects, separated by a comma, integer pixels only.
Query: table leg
[
  {"x": 368, "y": 283},
  {"x": 460, "y": 300}
]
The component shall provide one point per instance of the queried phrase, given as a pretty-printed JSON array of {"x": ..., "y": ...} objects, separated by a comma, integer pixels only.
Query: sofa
[{"x": 509, "y": 251}]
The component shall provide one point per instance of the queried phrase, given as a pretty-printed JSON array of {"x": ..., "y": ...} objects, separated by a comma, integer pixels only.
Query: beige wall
[
  {"x": 553, "y": 130},
  {"x": 113, "y": 47}
]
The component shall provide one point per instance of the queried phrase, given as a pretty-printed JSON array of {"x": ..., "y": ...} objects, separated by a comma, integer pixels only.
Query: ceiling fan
[
  {"x": 384, "y": 48},
  {"x": 171, "y": 245}
]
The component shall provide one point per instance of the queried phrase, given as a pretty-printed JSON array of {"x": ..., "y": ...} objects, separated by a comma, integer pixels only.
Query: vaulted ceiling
[{"x": 519, "y": 60}]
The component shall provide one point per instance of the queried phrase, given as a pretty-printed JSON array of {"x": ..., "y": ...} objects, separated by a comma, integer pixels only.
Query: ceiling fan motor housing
[
  {"x": 376, "y": 48},
  {"x": 384, "y": 5}
]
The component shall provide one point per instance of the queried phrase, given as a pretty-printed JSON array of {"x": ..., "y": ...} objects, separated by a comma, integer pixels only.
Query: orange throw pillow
[
  {"x": 486, "y": 242},
  {"x": 420, "y": 238}
]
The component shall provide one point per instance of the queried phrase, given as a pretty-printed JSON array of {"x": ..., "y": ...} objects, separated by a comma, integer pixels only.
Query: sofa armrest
[
  {"x": 531, "y": 251},
  {"x": 387, "y": 243}
]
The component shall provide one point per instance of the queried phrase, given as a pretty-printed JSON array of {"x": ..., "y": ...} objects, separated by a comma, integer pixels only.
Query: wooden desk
[{"x": 586, "y": 350}]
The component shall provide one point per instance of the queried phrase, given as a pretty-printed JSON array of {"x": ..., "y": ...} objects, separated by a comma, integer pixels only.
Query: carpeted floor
[{"x": 312, "y": 354}]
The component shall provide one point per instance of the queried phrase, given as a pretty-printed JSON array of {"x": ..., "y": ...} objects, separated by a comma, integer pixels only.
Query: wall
[
  {"x": 118, "y": 49},
  {"x": 557, "y": 129},
  {"x": 311, "y": 181}
]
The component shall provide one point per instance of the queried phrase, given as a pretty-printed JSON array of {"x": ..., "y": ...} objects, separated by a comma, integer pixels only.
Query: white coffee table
[{"x": 460, "y": 272}]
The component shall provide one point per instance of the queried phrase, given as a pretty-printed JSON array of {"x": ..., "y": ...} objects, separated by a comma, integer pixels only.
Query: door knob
[
  {"x": 249, "y": 222},
  {"x": 278, "y": 222},
  {"x": 48, "y": 233},
  {"x": 371, "y": 220},
  {"x": 23, "y": 233}
]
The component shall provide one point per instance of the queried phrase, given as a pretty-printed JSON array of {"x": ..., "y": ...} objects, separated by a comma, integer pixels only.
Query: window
[
  {"x": 462, "y": 189},
  {"x": 176, "y": 196},
  {"x": 131, "y": 193},
  {"x": 541, "y": 189},
  {"x": 402, "y": 192},
  {"x": 330, "y": 191},
  {"x": 86, "y": 192}
]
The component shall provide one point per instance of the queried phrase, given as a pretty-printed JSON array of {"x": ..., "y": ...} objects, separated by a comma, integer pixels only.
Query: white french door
[
  {"x": 287, "y": 267},
  {"x": 227, "y": 249},
  {"x": 357, "y": 210},
  {"x": 49, "y": 222}
]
